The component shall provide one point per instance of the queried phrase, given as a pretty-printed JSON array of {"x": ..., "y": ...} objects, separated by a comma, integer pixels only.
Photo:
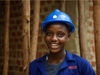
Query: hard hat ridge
[{"x": 58, "y": 16}]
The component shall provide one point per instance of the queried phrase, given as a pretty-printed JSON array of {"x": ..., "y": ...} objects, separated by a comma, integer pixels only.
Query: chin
[{"x": 54, "y": 51}]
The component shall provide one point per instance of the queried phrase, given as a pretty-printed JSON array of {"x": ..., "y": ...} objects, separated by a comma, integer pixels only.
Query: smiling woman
[
  {"x": 55, "y": 37},
  {"x": 58, "y": 28}
]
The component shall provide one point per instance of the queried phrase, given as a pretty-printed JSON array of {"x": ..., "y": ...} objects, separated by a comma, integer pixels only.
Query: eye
[
  {"x": 61, "y": 34},
  {"x": 49, "y": 33}
]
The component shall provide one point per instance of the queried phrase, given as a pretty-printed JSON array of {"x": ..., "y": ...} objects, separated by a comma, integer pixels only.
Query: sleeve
[{"x": 84, "y": 67}]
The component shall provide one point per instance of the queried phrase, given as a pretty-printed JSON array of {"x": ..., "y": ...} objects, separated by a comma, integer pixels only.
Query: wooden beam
[
  {"x": 26, "y": 34},
  {"x": 96, "y": 17},
  {"x": 35, "y": 29},
  {"x": 82, "y": 29},
  {"x": 63, "y": 5},
  {"x": 6, "y": 38}
]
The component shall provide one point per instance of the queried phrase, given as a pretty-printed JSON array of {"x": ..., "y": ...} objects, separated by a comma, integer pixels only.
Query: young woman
[{"x": 58, "y": 28}]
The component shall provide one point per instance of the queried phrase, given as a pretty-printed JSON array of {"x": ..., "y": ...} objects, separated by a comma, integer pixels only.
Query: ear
[{"x": 68, "y": 36}]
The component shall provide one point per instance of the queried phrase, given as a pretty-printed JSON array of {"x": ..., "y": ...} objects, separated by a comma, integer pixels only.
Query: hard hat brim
[{"x": 71, "y": 25}]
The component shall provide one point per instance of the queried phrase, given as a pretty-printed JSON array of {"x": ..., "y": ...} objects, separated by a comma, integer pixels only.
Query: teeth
[{"x": 54, "y": 45}]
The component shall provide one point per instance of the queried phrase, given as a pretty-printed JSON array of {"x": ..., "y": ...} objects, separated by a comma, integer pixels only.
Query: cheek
[
  {"x": 46, "y": 38},
  {"x": 63, "y": 40}
]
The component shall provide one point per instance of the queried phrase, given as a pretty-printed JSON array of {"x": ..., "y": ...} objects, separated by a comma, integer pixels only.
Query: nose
[{"x": 54, "y": 38}]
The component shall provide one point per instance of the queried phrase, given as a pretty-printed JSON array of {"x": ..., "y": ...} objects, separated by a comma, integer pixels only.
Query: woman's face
[{"x": 56, "y": 36}]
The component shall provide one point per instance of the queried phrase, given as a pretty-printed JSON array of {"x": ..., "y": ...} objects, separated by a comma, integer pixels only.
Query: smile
[{"x": 54, "y": 46}]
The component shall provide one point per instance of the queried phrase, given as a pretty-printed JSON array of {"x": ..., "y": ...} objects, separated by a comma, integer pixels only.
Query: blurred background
[{"x": 21, "y": 38}]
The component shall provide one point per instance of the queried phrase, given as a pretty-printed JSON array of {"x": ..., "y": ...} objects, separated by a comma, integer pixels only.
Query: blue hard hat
[{"x": 58, "y": 16}]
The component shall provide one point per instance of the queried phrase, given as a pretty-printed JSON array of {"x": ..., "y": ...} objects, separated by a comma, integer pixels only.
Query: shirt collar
[{"x": 69, "y": 56}]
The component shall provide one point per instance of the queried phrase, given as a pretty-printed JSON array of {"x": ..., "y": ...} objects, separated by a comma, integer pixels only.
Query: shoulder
[
  {"x": 34, "y": 65},
  {"x": 80, "y": 59},
  {"x": 75, "y": 57},
  {"x": 36, "y": 61}
]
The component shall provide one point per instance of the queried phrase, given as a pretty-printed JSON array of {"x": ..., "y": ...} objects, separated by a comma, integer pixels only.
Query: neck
[{"x": 55, "y": 58}]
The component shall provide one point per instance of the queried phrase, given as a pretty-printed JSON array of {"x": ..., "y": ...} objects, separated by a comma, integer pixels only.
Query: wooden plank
[
  {"x": 96, "y": 17},
  {"x": 6, "y": 38},
  {"x": 82, "y": 29},
  {"x": 26, "y": 34},
  {"x": 63, "y": 5},
  {"x": 35, "y": 29}
]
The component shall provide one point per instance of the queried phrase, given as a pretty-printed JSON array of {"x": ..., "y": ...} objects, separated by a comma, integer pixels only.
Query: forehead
[
  {"x": 60, "y": 26},
  {"x": 56, "y": 26}
]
